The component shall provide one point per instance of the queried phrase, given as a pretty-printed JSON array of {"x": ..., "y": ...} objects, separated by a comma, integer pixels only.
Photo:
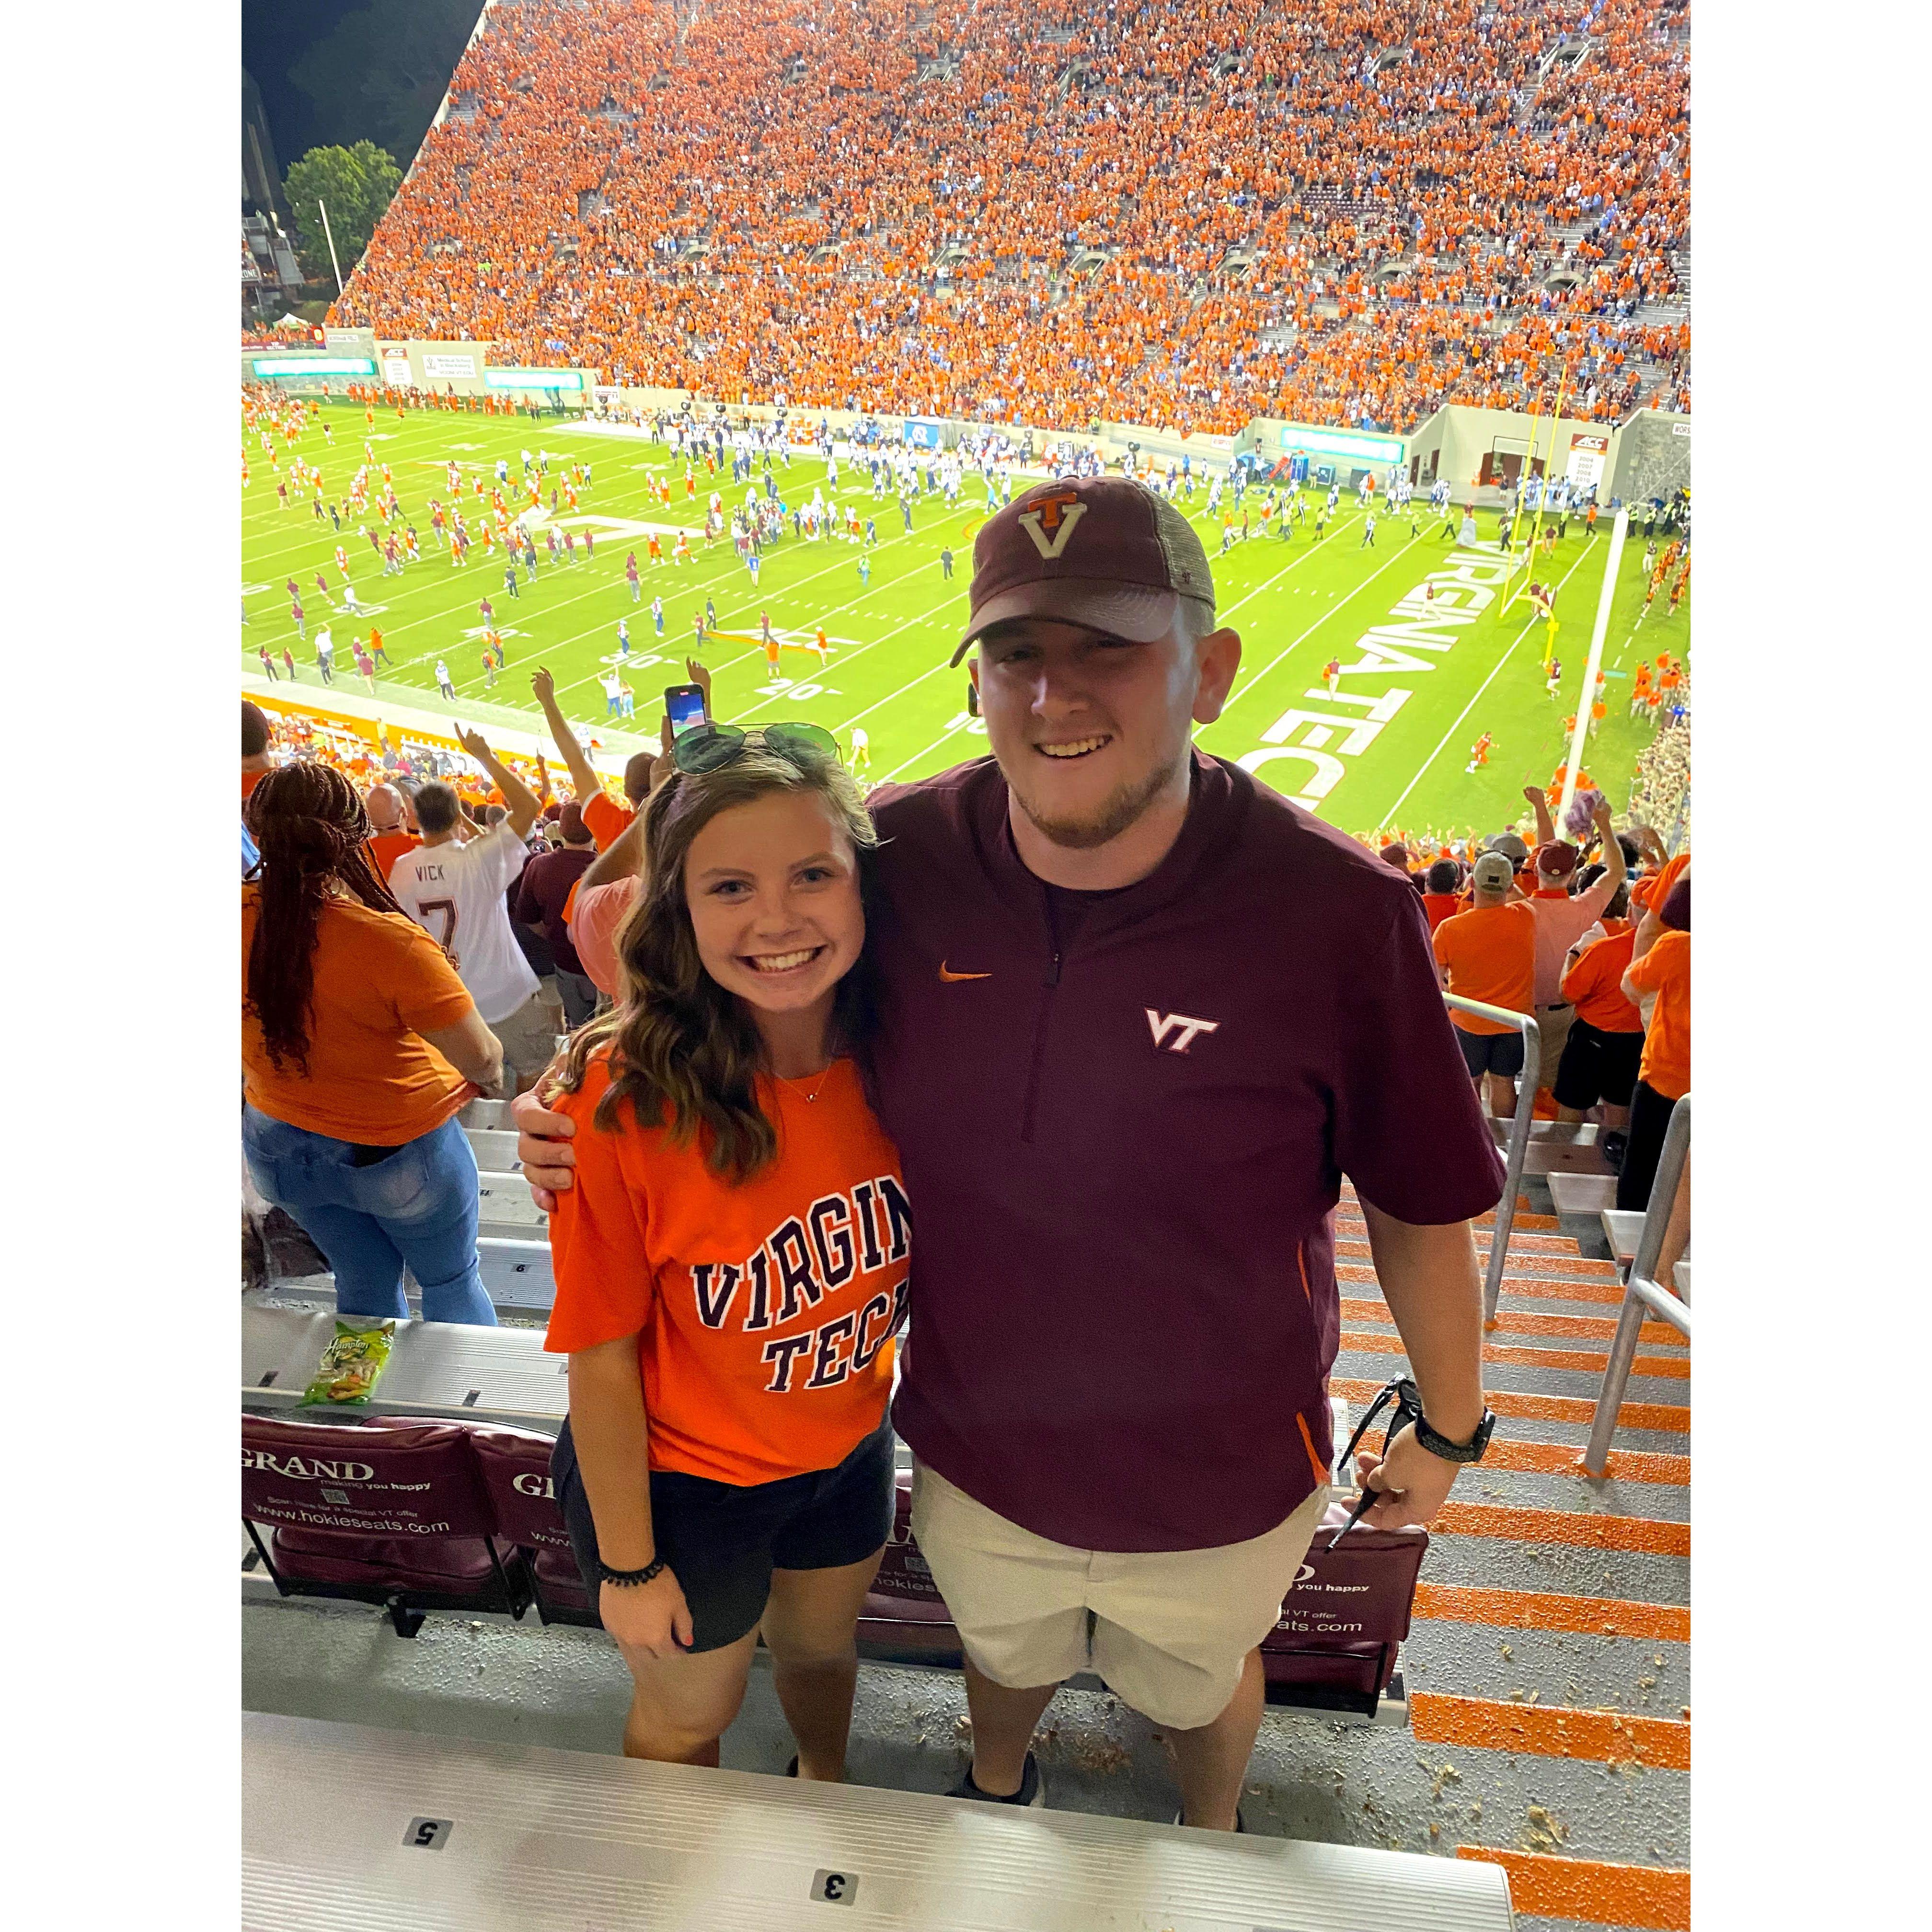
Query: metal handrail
[
  {"x": 1643, "y": 1294},
  {"x": 1518, "y": 1144}
]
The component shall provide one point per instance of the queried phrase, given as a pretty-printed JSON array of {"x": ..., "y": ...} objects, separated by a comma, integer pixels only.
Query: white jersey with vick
[{"x": 455, "y": 893}]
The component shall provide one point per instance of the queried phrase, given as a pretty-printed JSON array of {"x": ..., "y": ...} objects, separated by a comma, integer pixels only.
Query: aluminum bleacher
[
  {"x": 495, "y": 1149},
  {"x": 345, "y": 1827}
]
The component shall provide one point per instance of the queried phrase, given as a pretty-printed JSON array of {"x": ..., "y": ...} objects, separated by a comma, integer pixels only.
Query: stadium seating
[
  {"x": 495, "y": 1149},
  {"x": 505, "y": 1209},
  {"x": 394, "y": 1515},
  {"x": 1335, "y": 1647},
  {"x": 1190, "y": 215},
  {"x": 369, "y": 1827}
]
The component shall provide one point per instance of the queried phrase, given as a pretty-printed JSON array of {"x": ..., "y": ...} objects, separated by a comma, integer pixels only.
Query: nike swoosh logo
[{"x": 944, "y": 974}]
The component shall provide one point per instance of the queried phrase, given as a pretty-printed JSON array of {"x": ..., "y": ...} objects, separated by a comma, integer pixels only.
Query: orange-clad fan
[
  {"x": 1601, "y": 1052},
  {"x": 1489, "y": 953},
  {"x": 1441, "y": 900},
  {"x": 390, "y": 836},
  {"x": 731, "y": 1263},
  {"x": 1659, "y": 979},
  {"x": 359, "y": 1043}
]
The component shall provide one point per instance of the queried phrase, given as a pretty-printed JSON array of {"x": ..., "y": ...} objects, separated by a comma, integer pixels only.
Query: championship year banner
[{"x": 1588, "y": 453}]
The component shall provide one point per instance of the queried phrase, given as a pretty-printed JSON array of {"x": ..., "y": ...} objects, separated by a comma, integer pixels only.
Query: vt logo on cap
[{"x": 1058, "y": 515}]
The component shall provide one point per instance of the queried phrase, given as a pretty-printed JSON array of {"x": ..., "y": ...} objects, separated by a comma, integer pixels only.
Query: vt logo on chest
[
  {"x": 804, "y": 1259},
  {"x": 1176, "y": 1032}
]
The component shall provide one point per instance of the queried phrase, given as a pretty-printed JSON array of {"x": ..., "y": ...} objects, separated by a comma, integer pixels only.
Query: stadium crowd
[{"x": 1185, "y": 214}]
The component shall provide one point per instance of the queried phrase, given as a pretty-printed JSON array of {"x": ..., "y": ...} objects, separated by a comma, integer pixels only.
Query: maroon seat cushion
[
  {"x": 558, "y": 1579},
  {"x": 515, "y": 1470},
  {"x": 443, "y": 1565},
  {"x": 1364, "y": 1670},
  {"x": 1357, "y": 1596},
  {"x": 386, "y": 1479}
]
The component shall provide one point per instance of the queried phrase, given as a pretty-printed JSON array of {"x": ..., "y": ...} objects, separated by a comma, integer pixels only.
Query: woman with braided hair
[{"x": 359, "y": 1045}]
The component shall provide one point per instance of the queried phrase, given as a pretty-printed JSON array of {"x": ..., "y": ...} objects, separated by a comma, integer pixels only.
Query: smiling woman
[
  {"x": 738, "y": 955},
  {"x": 738, "y": 1231}
]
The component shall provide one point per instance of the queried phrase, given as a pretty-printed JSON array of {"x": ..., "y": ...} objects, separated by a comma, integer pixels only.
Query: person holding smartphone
[{"x": 731, "y": 1263}]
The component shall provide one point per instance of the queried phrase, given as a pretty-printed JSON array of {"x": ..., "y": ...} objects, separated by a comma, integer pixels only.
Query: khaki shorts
[
  {"x": 1167, "y": 1631},
  {"x": 528, "y": 1036},
  {"x": 1553, "y": 1026}
]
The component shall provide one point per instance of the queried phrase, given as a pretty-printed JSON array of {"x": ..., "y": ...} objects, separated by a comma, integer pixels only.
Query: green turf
[{"x": 1296, "y": 605}]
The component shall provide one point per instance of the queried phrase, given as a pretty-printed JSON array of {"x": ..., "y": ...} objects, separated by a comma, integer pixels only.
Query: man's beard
[{"x": 1124, "y": 808}]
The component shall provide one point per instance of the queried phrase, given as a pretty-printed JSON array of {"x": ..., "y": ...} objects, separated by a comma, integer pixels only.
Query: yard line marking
[
  {"x": 1389, "y": 815},
  {"x": 1243, "y": 690}
]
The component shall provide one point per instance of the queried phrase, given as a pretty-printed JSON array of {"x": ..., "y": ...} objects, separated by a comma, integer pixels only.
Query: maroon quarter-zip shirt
[{"x": 1124, "y": 1118}]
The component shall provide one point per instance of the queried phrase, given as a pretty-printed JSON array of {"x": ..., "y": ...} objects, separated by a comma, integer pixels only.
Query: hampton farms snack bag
[{"x": 350, "y": 1364}]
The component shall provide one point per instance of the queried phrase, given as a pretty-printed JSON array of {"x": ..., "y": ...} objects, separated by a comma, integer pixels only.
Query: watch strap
[{"x": 1439, "y": 1444}]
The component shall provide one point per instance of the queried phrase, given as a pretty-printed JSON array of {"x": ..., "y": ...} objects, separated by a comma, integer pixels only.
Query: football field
[{"x": 1422, "y": 678}]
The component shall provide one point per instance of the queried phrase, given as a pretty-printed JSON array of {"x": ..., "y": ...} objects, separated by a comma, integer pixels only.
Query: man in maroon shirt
[
  {"x": 1138, "y": 1017},
  {"x": 540, "y": 896}
]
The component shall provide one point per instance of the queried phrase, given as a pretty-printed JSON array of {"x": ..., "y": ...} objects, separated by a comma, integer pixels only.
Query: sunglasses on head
[{"x": 707, "y": 747}]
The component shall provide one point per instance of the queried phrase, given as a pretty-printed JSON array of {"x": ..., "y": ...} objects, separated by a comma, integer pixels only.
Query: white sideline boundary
[{"x": 435, "y": 724}]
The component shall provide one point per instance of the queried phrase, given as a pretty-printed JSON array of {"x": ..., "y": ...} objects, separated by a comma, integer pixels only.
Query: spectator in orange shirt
[
  {"x": 1600, "y": 1056},
  {"x": 1440, "y": 902},
  {"x": 1658, "y": 977},
  {"x": 359, "y": 1044},
  {"x": 726, "y": 1467},
  {"x": 390, "y": 836},
  {"x": 1489, "y": 953}
]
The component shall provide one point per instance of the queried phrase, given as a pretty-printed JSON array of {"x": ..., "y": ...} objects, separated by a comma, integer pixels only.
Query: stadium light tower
[{"x": 332, "y": 262}]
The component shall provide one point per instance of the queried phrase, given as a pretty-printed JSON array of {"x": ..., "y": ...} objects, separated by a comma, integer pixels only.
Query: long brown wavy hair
[
  {"x": 310, "y": 828},
  {"x": 685, "y": 1052}
]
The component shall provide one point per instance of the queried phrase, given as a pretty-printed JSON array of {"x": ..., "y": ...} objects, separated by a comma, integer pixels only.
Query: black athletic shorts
[
  {"x": 1491, "y": 1052},
  {"x": 723, "y": 1540},
  {"x": 1596, "y": 1067}
]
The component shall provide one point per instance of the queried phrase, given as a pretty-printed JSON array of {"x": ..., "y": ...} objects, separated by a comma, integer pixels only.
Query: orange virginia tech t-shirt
[
  {"x": 381, "y": 983},
  {"x": 764, "y": 1311},
  {"x": 1490, "y": 955},
  {"x": 1665, "y": 970}
]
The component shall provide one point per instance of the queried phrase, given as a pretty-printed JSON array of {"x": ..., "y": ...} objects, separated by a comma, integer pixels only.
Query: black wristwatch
[
  {"x": 626, "y": 1579},
  {"x": 1471, "y": 1451}
]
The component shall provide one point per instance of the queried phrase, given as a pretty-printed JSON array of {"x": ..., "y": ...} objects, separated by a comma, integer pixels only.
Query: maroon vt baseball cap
[{"x": 1101, "y": 550}]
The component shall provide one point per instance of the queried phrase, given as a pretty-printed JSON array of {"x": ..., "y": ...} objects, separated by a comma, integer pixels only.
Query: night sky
[
  {"x": 335, "y": 72},
  {"x": 275, "y": 34}
]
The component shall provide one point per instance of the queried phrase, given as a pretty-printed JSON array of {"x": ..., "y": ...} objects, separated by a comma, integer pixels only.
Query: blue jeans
[{"x": 418, "y": 1206}]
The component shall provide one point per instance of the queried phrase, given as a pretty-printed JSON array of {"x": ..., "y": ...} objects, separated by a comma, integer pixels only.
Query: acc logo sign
[
  {"x": 1052, "y": 523},
  {"x": 1302, "y": 1576}
]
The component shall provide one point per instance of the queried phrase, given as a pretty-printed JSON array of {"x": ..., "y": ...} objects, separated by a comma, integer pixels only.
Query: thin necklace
[{"x": 824, "y": 1075}]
